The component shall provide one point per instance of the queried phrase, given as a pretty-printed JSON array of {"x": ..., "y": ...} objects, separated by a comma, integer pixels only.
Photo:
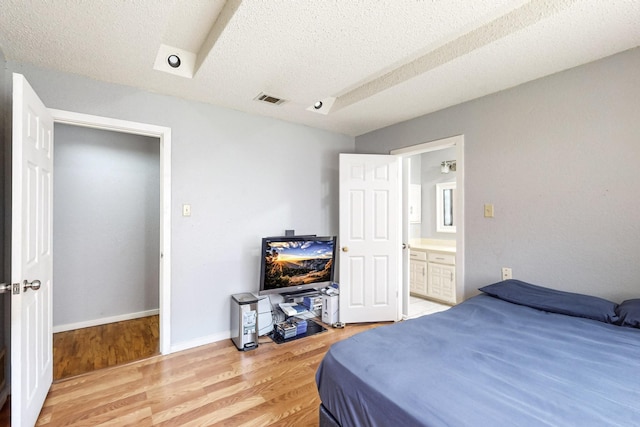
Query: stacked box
[
  {"x": 300, "y": 324},
  {"x": 286, "y": 330},
  {"x": 313, "y": 303}
]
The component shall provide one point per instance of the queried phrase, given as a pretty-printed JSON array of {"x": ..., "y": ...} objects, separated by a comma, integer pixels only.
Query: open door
[
  {"x": 370, "y": 238},
  {"x": 31, "y": 254}
]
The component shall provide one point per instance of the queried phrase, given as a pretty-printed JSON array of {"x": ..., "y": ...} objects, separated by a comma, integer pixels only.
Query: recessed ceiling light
[
  {"x": 322, "y": 106},
  {"x": 174, "y": 61}
]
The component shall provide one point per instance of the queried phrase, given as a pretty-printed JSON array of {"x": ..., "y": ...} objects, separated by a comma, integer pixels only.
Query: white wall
[
  {"x": 245, "y": 177},
  {"x": 558, "y": 157},
  {"x": 106, "y": 225}
]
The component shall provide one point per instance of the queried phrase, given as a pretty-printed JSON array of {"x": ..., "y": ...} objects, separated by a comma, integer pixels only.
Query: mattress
[{"x": 485, "y": 362}]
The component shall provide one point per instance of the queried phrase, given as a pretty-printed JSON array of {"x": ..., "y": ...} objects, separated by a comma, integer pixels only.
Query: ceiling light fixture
[
  {"x": 322, "y": 106},
  {"x": 174, "y": 61}
]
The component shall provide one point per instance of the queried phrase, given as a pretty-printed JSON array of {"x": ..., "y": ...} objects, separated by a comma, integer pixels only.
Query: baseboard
[
  {"x": 104, "y": 320},
  {"x": 201, "y": 341}
]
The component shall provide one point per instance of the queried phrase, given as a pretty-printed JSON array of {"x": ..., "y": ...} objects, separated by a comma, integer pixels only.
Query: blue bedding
[{"x": 486, "y": 362}]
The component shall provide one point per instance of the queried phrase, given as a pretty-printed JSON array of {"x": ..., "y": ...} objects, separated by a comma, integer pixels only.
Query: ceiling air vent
[{"x": 263, "y": 97}]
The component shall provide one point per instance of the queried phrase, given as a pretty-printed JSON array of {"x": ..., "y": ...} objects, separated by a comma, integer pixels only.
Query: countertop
[{"x": 433, "y": 245}]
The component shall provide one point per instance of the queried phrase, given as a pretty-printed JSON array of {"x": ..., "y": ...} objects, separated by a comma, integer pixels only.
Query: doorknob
[
  {"x": 35, "y": 285},
  {"x": 345, "y": 249},
  {"x": 5, "y": 288}
]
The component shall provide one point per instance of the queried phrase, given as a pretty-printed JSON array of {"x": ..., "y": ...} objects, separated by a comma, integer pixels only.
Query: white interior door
[
  {"x": 31, "y": 254},
  {"x": 370, "y": 237}
]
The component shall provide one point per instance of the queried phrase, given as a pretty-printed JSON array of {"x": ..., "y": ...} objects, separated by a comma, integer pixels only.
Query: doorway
[
  {"x": 31, "y": 237},
  {"x": 106, "y": 222},
  {"x": 163, "y": 134},
  {"x": 456, "y": 144}
]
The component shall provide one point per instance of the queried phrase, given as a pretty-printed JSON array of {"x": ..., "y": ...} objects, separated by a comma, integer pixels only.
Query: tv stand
[
  {"x": 312, "y": 329},
  {"x": 299, "y": 294}
]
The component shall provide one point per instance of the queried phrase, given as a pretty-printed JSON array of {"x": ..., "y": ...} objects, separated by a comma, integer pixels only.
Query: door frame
[
  {"x": 164, "y": 135},
  {"x": 456, "y": 141}
]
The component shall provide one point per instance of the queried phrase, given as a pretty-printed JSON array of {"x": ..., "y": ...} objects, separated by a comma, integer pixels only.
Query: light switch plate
[
  {"x": 488, "y": 210},
  {"x": 186, "y": 210}
]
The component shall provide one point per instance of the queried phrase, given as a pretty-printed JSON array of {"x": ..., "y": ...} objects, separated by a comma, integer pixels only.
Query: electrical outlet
[
  {"x": 186, "y": 210},
  {"x": 506, "y": 273}
]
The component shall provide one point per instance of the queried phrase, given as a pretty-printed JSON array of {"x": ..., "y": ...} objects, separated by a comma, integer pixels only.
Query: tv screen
[{"x": 296, "y": 263}]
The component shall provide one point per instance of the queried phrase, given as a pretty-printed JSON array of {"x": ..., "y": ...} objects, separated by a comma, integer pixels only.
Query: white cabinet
[
  {"x": 432, "y": 274},
  {"x": 418, "y": 273},
  {"x": 415, "y": 203}
]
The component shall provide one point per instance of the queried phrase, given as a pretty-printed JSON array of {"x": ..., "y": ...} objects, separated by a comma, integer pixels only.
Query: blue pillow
[
  {"x": 553, "y": 301},
  {"x": 629, "y": 313}
]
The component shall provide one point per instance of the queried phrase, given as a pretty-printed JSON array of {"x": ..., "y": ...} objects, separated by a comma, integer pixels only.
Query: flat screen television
[{"x": 292, "y": 264}]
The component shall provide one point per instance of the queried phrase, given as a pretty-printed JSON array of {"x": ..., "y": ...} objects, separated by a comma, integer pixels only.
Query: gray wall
[
  {"x": 245, "y": 177},
  {"x": 106, "y": 224},
  {"x": 430, "y": 175},
  {"x": 558, "y": 157}
]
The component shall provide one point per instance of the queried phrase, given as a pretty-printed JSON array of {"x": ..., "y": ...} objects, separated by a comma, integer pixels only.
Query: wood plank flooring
[
  {"x": 210, "y": 385},
  {"x": 87, "y": 349}
]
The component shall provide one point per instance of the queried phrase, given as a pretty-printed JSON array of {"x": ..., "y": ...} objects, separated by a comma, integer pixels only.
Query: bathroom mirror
[{"x": 445, "y": 193}]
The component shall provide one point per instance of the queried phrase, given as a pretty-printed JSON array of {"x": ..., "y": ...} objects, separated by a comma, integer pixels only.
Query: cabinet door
[
  {"x": 418, "y": 277},
  {"x": 441, "y": 283},
  {"x": 412, "y": 276}
]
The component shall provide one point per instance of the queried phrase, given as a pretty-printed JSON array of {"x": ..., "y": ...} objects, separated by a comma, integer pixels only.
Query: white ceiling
[{"x": 374, "y": 62}]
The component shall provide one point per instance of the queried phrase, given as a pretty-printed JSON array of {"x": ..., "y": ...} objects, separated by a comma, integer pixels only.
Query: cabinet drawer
[
  {"x": 442, "y": 258},
  {"x": 418, "y": 255}
]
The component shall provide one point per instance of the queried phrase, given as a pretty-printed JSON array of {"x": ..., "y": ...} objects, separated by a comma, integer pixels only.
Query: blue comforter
[{"x": 485, "y": 362}]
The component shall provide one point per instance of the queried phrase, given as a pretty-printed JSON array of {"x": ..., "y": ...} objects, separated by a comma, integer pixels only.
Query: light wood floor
[
  {"x": 210, "y": 385},
  {"x": 87, "y": 349}
]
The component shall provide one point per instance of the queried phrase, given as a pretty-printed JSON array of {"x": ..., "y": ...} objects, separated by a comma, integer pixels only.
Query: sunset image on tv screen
[{"x": 296, "y": 263}]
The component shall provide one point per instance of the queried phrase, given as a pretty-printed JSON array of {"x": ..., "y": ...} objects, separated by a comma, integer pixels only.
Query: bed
[{"x": 515, "y": 355}]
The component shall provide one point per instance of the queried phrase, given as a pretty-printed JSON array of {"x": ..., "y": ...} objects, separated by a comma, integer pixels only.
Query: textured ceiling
[{"x": 372, "y": 62}]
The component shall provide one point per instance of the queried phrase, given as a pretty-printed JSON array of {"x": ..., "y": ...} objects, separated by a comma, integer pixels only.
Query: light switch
[
  {"x": 488, "y": 210},
  {"x": 186, "y": 210}
]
